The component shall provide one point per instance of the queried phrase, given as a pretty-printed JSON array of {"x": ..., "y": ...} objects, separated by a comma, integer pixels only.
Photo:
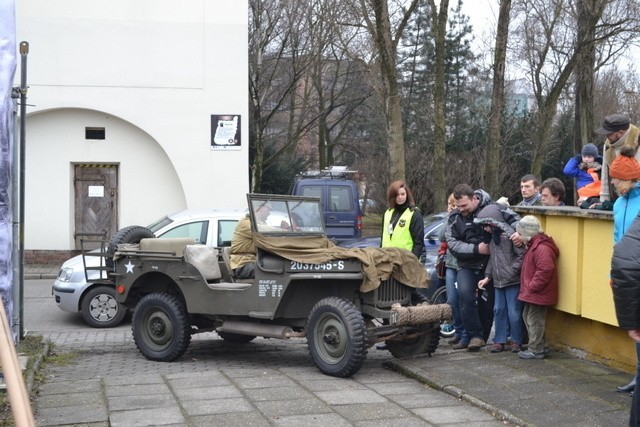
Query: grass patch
[{"x": 33, "y": 347}]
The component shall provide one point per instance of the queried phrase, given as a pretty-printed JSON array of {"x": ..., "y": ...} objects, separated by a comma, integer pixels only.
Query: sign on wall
[{"x": 225, "y": 132}]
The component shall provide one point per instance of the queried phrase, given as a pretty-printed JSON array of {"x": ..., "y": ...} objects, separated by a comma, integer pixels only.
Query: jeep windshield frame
[{"x": 285, "y": 215}]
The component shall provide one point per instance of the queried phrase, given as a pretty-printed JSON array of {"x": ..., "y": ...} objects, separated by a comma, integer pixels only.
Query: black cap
[{"x": 614, "y": 123}]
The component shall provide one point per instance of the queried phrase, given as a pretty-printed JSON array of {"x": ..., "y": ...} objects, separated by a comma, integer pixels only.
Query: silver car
[{"x": 96, "y": 301}]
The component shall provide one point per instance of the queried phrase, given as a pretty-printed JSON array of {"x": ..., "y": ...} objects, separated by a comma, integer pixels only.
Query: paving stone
[
  {"x": 372, "y": 411},
  {"x": 240, "y": 419},
  {"x": 264, "y": 381},
  {"x": 278, "y": 408},
  {"x": 121, "y": 403},
  {"x": 70, "y": 399},
  {"x": 277, "y": 393},
  {"x": 136, "y": 390},
  {"x": 345, "y": 397},
  {"x": 207, "y": 393},
  {"x": 405, "y": 422},
  {"x": 65, "y": 387},
  {"x": 333, "y": 420},
  {"x": 430, "y": 398},
  {"x": 85, "y": 414},
  {"x": 216, "y": 406},
  {"x": 397, "y": 387},
  {"x": 147, "y": 417},
  {"x": 331, "y": 384},
  {"x": 453, "y": 415}
]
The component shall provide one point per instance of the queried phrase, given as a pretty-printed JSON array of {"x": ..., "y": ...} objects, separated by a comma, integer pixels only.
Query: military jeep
[{"x": 341, "y": 300}]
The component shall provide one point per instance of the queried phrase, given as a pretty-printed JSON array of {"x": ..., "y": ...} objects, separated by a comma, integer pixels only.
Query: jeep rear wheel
[
  {"x": 160, "y": 327},
  {"x": 426, "y": 343},
  {"x": 100, "y": 309},
  {"x": 337, "y": 337}
]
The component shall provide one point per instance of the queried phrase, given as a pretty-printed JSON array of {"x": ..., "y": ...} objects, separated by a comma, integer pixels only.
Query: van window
[
  {"x": 340, "y": 199},
  {"x": 311, "y": 191}
]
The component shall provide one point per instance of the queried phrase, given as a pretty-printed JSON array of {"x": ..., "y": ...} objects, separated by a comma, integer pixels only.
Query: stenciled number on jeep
[
  {"x": 328, "y": 266},
  {"x": 269, "y": 288}
]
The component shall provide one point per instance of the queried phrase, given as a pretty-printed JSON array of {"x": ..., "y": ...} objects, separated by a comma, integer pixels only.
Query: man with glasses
[{"x": 619, "y": 132}]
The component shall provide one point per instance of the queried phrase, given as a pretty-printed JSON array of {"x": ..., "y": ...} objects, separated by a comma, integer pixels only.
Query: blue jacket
[
  {"x": 625, "y": 210},
  {"x": 582, "y": 176}
]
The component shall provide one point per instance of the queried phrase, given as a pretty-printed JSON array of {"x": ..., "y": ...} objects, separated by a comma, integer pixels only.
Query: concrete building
[{"x": 136, "y": 109}]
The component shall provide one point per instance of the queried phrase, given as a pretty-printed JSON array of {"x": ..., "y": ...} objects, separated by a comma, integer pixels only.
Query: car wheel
[
  {"x": 427, "y": 343},
  {"x": 236, "y": 338},
  {"x": 160, "y": 327},
  {"x": 337, "y": 337},
  {"x": 446, "y": 327},
  {"x": 100, "y": 309},
  {"x": 131, "y": 234}
]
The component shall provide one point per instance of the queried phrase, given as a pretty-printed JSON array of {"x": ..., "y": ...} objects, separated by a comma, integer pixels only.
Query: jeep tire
[
  {"x": 131, "y": 234},
  {"x": 160, "y": 327},
  {"x": 337, "y": 337}
]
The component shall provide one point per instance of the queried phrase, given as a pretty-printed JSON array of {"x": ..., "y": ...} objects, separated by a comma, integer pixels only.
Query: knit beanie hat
[
  {"x": 590, "y": 150},
  {"x": 625, "y": 166},
  {"x": 528, "y": 227}
]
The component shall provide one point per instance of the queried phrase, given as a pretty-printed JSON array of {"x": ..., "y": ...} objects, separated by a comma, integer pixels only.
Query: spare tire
[{"x": 131, "y": 234}]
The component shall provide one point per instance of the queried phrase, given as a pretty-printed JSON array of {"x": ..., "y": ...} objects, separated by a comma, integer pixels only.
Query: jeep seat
[
  {"x": 226, "y": 257},
  {"x": 170, "y": 246}
]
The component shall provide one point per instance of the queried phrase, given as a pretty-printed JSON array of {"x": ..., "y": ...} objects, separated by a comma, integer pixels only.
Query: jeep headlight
[{"x": 65, "y": 274}]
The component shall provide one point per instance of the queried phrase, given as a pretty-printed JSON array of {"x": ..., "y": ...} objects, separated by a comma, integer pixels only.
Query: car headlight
[{"x": 65, "y": 274}]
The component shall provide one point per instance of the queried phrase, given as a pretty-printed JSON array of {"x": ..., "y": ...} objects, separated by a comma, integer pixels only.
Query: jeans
[
  {"x": 452, "y": 300},
  {"x": 507, "y": 313},
  {"x": 467, "y": 301},
  {"x": 535, "y": 317}
]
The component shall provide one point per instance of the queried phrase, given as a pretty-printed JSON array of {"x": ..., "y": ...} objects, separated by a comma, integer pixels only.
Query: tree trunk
[
  {"x": 395, "y": 138},
  {"x": 492, "y": 166},
  {"x": 439, "y": 22}
]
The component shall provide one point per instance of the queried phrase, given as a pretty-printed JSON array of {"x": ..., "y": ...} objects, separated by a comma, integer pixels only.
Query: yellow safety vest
[{"x": 401, "y": 235}]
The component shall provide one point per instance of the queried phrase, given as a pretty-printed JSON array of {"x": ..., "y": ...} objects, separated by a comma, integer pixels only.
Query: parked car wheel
[
  {"x": 236, "y": 338},
  {"x": 161, "y": 328},
  {"x": 100, "y": 309},
  {"x": 337, "y": 337}
]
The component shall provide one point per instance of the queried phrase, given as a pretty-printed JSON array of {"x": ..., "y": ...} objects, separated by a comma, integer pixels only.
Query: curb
[
  {"x": 30, "y": 377},
  {"x": 397, "y": 366},
  {"x": 36, "y": 276}
]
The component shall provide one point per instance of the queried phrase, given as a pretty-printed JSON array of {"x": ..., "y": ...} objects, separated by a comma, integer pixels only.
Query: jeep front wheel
[
  {"x": 337, "y": 337},
  {"x": 160, "y": 327}
]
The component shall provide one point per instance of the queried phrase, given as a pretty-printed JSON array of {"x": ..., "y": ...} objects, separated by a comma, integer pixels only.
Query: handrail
[{"x": 17, "y": 391}]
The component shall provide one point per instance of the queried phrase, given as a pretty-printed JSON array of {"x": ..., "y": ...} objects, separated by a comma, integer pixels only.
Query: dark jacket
[
  {"x": 463, "y": 236},
  {"x": 625, "y": 277},
  {"x": 539, "y": 275}
]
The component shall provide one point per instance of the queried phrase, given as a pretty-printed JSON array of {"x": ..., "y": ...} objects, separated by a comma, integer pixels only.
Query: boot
[{"x": 629, "y": 387}]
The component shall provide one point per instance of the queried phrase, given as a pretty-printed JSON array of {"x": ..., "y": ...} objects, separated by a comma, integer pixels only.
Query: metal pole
[{"x": 18, "y": 238}]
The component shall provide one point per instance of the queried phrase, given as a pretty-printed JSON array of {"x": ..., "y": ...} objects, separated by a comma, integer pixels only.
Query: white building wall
[{"x": 152, "y": 72}]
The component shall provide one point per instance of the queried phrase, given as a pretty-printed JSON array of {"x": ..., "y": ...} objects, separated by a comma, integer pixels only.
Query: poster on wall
[{"x": 225, "y": 132}]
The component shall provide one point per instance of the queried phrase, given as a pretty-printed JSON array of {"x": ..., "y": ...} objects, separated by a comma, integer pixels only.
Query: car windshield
[
  {"x": 286, "y": 214},
  {"x": 157, "y": 225}
]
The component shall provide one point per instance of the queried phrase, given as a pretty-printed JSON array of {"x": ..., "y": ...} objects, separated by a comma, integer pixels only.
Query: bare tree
[
  {"x": 385, "y": 42},
  {"x": 492, "y": 167},
  {"x": 439, "y": 23}
]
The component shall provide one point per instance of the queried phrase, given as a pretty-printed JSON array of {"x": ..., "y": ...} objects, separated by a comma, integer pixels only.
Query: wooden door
[{"x": 96, "y": 203}]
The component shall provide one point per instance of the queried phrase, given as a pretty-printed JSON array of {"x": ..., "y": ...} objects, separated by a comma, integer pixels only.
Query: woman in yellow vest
[{"x": 402, "y": 225}]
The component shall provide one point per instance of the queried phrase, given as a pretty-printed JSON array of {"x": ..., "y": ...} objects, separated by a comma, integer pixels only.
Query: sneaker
[
  {"x": 454, "y": 340},
  {"x": 476, "y": 344},
  {"x": 515, "y": 348},
  {"x": 497, "y": 348},
  {"x": 528, "y": 354},
  {"x": 461, "y": 345}
]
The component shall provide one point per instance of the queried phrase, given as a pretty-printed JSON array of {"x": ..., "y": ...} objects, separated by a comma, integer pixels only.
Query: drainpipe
[{"x": 18, "y": 208}]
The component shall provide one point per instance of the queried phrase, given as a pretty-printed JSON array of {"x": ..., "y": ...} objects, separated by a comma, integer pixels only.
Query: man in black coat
[{"x": 625, "y": 282}]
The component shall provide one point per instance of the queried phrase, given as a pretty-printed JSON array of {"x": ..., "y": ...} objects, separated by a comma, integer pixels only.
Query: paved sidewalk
[
  {"x": 559, "y": 390},
  {"x": 215, "y": 383}
]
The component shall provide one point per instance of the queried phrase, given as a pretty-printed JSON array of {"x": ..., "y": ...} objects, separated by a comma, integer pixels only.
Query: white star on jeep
[{"x": 129, "y": 267}]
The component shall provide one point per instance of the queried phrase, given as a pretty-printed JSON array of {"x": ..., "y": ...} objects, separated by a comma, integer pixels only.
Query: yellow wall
[{"x": 584, "y": 320}]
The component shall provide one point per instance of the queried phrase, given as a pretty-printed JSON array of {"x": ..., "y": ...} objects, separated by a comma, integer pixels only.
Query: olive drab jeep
[{"x": 341, "y": 300}]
